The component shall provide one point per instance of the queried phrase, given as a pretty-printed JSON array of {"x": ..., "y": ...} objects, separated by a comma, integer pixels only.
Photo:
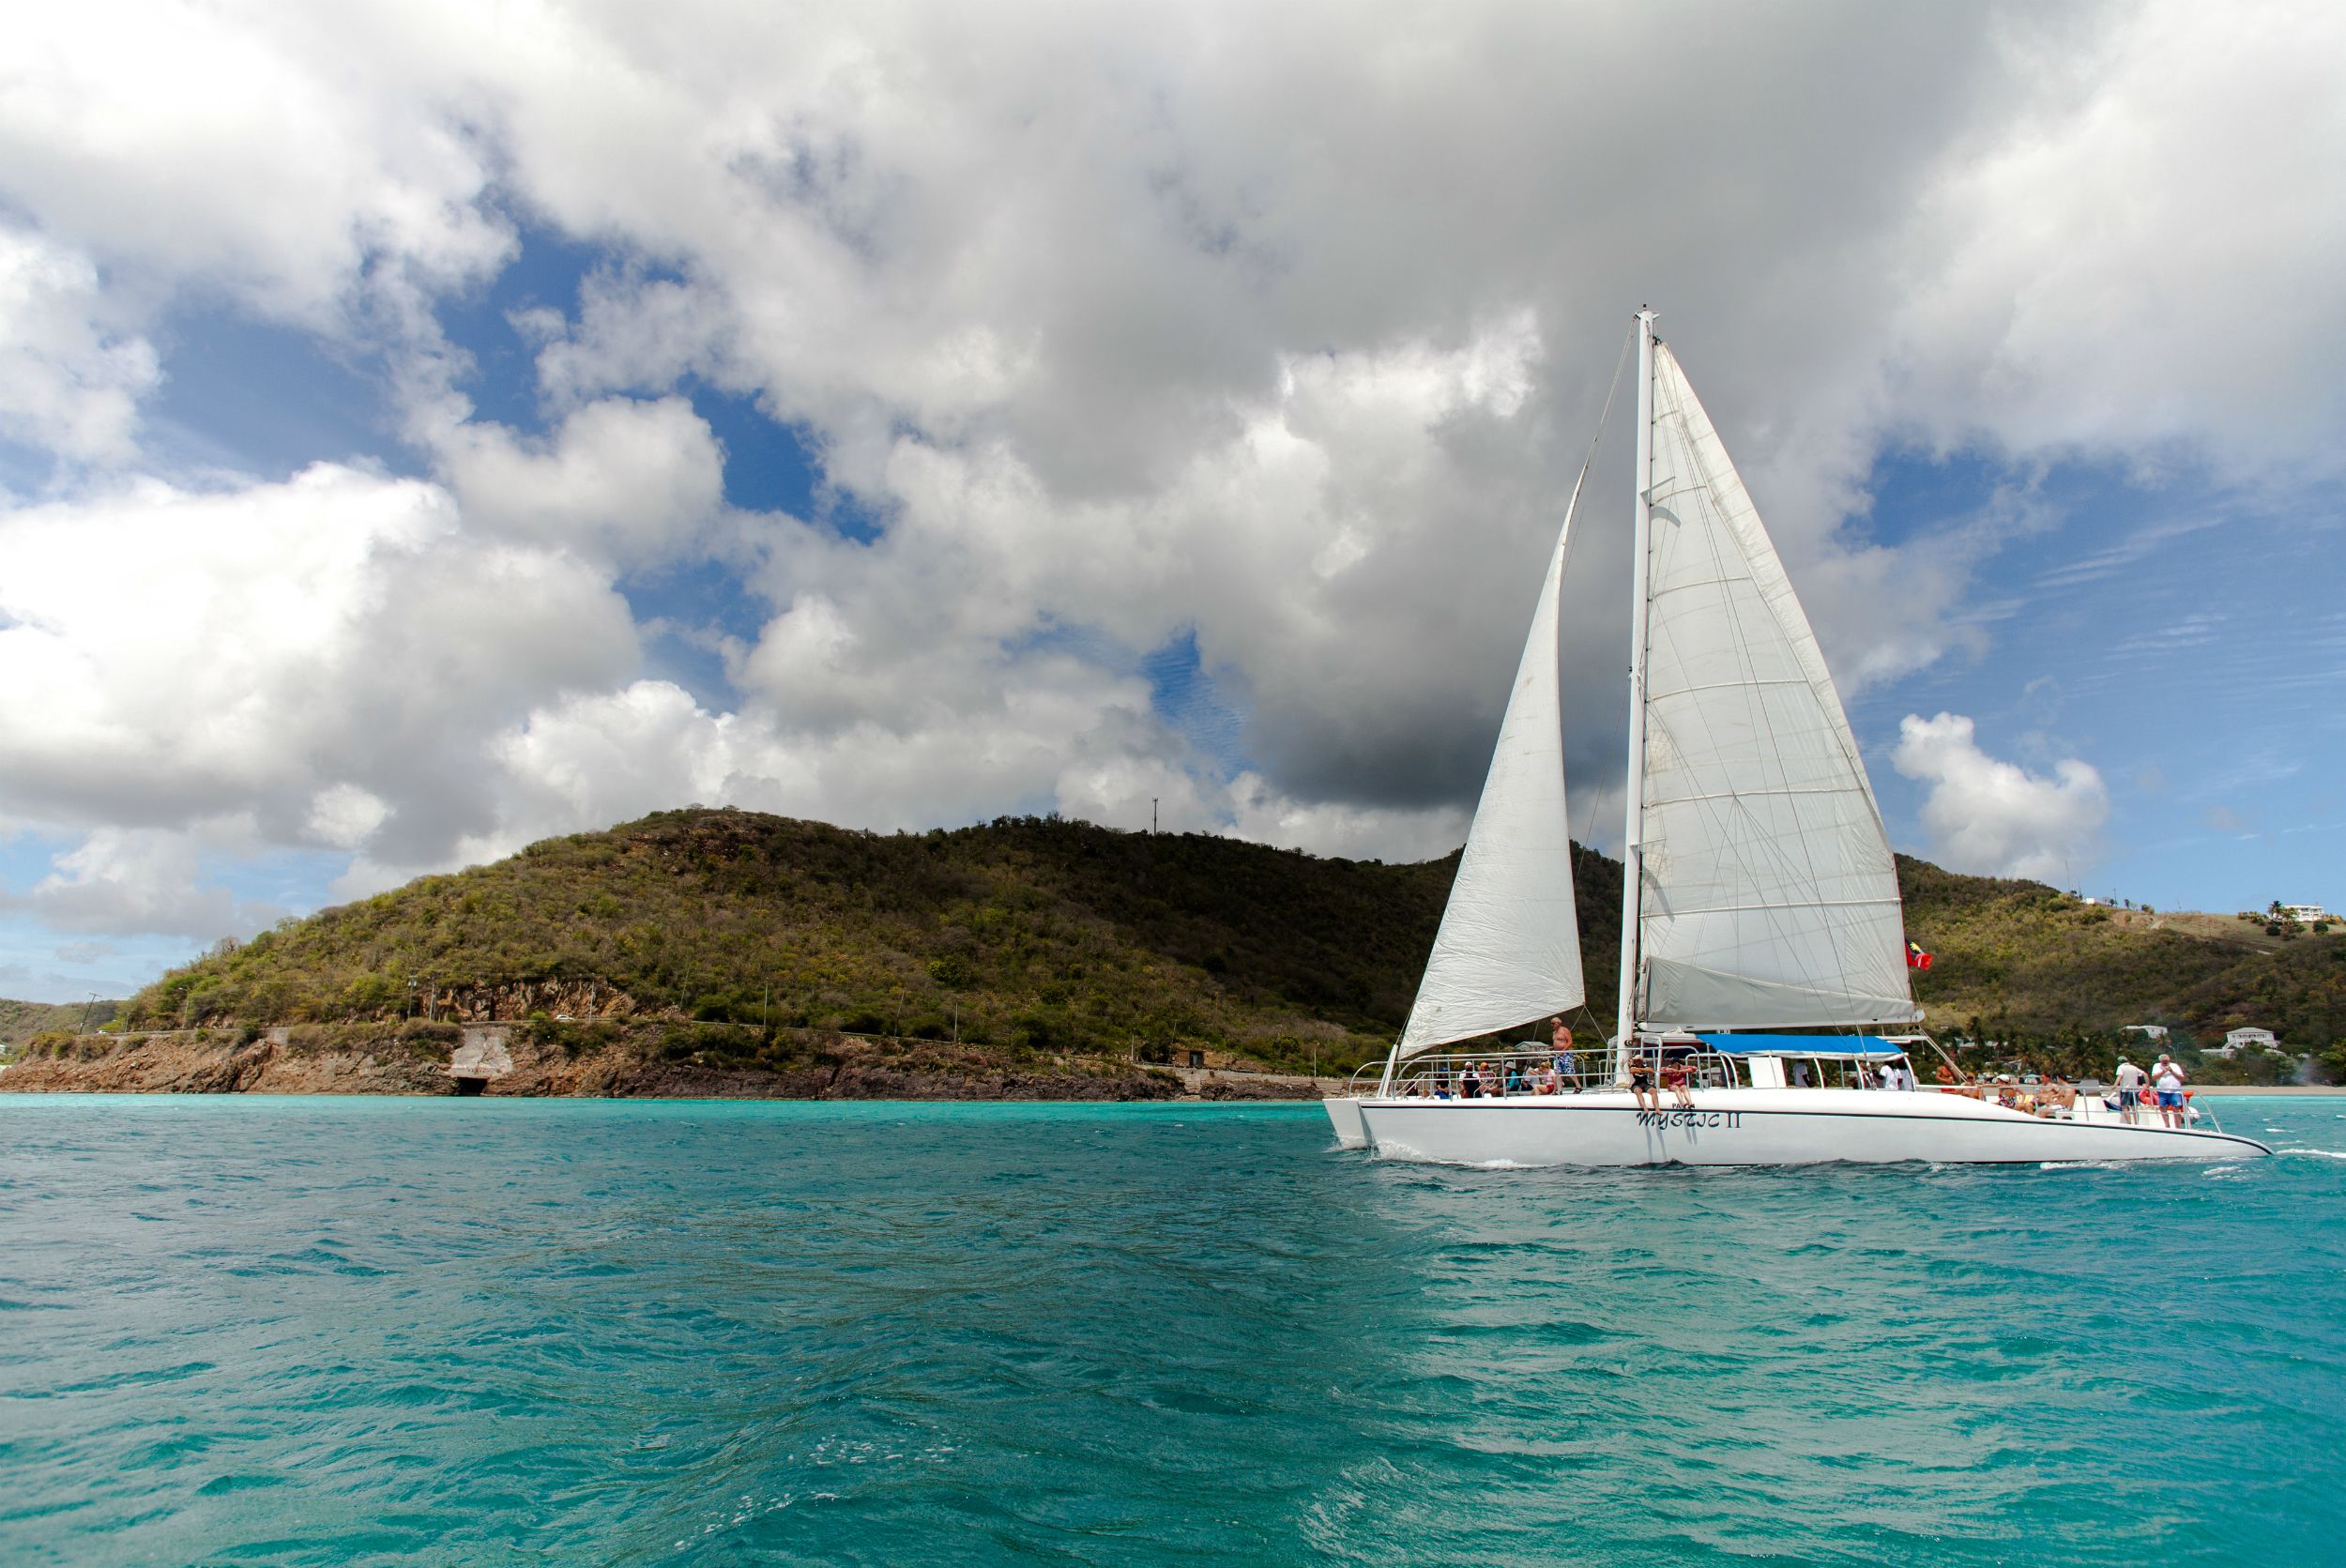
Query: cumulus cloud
[
  {"x": 68, "y": 384},
  {"x": 128, "y": 881},
  {"x": 288, "y": 651},
  {"x": 258, "y": 150},
  {"x": 1275, "y": 332},
  {"x": 633, "y": 483},
  {"x": 2145, "y": 256},
  {"x": 1991, "y": 817}
]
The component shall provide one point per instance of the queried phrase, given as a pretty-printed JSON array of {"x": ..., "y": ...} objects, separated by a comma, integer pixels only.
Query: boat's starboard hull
[{"x": 1763, "y": 1127}]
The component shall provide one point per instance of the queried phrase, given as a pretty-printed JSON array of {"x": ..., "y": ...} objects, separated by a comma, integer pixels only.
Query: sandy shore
[{"x": 2335, "y": 1090}]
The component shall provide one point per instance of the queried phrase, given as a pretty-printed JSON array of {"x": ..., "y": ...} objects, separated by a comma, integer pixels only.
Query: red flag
[{"x": 1916, "y": 957}]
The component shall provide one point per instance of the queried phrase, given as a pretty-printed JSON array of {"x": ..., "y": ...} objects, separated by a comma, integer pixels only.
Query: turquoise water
[{"x": 307, "y": 1330}]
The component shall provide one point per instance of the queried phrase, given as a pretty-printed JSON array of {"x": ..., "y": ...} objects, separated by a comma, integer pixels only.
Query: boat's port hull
[
  {"x": 1345, "y": 1115},
  {"x": 1763, "y": 1127}
]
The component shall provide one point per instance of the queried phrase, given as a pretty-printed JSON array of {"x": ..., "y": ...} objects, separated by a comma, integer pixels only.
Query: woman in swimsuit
[
  {"x": 1674, "y": 1075},
  {"x": 1641, "y": 1082}
]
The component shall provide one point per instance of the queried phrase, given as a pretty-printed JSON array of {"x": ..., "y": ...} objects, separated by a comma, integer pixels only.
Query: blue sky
[
  {"x": 901, "y": 427},
  {"x": 2183, "y": 638}
]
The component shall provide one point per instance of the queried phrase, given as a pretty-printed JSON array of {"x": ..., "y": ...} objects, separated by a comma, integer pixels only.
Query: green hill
[
  {"x": 1030, "y": 933},
  {"x": 1043, "y": 935},
  {"x": 2018, "y": 961},
  {"x": 20, "y": 1020}
]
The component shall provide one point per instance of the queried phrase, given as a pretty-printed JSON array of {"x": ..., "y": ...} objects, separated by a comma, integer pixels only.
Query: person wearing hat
[
  {"x": 2130, "y": 1081},
  {"x": 2166, "y": 1077}
]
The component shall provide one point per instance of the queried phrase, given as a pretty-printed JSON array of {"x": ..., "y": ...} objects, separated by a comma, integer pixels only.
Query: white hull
[
  {"x": 1346, "y": 1116},
  {"x": 1760, "y": 1127}
]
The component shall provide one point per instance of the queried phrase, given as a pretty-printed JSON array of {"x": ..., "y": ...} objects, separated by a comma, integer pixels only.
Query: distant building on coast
[
  {"x": 2304, "y": 914},
  {"x": 2238, "y": 1040}
]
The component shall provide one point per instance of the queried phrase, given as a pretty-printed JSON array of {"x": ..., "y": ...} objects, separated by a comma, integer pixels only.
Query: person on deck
[
  {"x": 2130, "y": 1081},
  {"x": 1675, "y": 1069},
  {"x": 2166, "y": 1077},
  {"x": 1641, "y": 1080},
  {"x": 1561, "y": 1034}
]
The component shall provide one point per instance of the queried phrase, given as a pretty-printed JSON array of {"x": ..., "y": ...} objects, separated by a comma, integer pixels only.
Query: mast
[{"x": 1632, "y": 872}]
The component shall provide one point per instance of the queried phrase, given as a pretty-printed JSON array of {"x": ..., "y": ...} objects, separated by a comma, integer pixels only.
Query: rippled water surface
[{"x": 313, "y": 1331}]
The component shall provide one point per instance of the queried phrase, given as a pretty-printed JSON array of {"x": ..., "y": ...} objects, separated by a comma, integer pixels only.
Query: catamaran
[{"x": 1760, "y": 898}]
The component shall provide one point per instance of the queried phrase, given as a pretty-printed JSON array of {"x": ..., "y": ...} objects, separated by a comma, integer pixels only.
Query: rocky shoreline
[{"x": 640, "y": 1062}]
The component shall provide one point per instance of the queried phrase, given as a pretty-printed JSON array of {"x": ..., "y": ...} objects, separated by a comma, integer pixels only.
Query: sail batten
[
  {"x": 1767, "y": 894},
  {"x": 1509, "y": 948}
]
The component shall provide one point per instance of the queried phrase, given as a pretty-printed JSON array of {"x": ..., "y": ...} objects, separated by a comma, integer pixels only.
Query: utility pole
[{"x": 1153, "y": 817}]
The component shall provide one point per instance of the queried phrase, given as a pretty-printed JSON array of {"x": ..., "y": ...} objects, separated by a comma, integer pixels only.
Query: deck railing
[
  {"x": 1512, "y": 1074},
  {"x": 1509, "y": 1075}
]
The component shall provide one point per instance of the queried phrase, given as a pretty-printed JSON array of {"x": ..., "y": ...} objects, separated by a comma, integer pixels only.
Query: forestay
[
  {"x": 1769, "y": 897},
  {"x": 1509, "y": 948}
]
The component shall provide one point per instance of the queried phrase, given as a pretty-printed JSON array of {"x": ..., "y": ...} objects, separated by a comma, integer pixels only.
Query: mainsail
[
  {"x": 1768, "y": 896},
  {"x": 1509, "y": 948}
]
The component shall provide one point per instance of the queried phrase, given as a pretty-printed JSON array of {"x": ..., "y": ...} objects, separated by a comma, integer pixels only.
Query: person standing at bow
[
  {"x": 2166, "y": 1077},
  {"x": 2130, "y": 1081}
]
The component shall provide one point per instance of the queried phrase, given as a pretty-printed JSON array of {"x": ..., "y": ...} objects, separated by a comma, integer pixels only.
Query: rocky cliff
[{"x": 650, "y": 1061}]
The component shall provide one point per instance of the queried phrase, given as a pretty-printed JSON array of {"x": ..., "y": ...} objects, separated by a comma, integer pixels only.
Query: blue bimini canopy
[{"x": 1829, "y": 1046}]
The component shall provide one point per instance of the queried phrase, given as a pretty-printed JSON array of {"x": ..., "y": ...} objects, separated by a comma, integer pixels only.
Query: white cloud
[
  {"x": 126, "y": 881},
  {"x": 1991, "y": 817},
  {"x": 1355, "y": 832},
  {"x": 633, "y": 483},
  {"x": 343, "y": 817},
  {"x": 286, "y": 651},
  {"x": 68, "y": 382},
  {"x": 2147, "y": 254},
  {"x": 273, "y": 153},
  {"x": 1279, "y": 327}
]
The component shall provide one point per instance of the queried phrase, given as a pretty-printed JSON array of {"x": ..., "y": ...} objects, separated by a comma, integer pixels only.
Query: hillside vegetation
[
  {"x": 2018, "y": 961},
  {"x": 1043, "y": 935},
  {"x": 20, "y": 1020},
  {"x": 1031, "y": 933}
]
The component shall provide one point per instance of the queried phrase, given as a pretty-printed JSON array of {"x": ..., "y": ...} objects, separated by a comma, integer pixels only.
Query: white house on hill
[{"x": 2238, "y": 1040}]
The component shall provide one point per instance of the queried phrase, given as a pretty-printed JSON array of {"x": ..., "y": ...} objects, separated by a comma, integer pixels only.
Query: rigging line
[
  {"x": 1612, "y": 389},
  {"x": 1627, "y": 341}
]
